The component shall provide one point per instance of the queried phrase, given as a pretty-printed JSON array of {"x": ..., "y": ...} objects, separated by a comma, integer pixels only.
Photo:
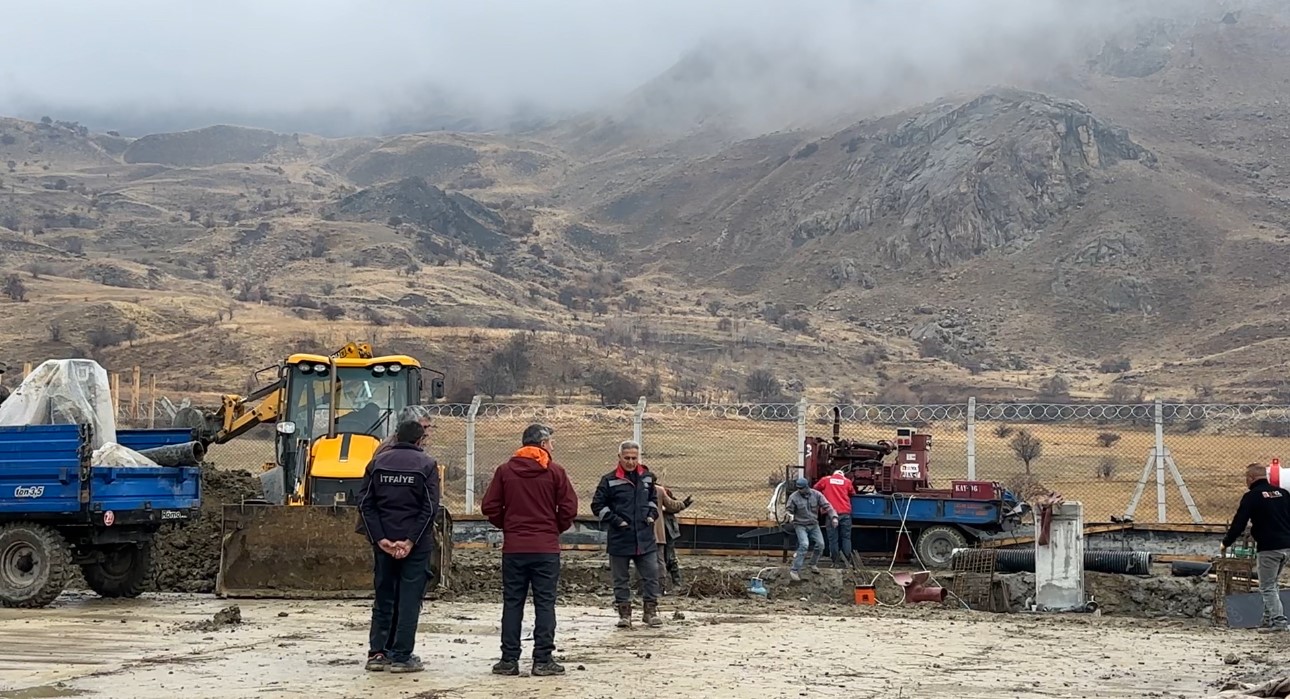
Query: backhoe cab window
[{"x": 368, "y": 402}]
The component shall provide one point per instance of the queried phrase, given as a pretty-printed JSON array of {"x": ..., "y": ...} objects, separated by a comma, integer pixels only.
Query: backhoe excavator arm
[{"x": 234, "y": 419}]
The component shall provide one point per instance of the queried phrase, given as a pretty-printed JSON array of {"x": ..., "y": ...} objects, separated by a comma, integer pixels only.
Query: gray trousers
[
  {"x": 1271, "y": 563},
  {"x": 646, "y": 568}
]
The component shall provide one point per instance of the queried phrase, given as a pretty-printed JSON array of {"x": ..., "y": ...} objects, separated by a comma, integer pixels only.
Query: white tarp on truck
[{"x": 71, "y": 391}]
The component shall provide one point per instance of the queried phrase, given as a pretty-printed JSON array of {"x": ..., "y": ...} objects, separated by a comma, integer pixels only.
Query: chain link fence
[{"x": 1167, "y": 462}]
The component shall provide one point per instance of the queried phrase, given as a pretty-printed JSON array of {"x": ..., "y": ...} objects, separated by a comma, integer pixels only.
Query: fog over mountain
[{"x": 341, "y": 67}]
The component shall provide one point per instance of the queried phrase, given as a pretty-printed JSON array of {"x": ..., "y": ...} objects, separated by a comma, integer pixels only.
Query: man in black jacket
[
  {"x": 1268, "y": 508},
  {"x": 627, "y": 505},
  {"x": 397, "y": 503}
]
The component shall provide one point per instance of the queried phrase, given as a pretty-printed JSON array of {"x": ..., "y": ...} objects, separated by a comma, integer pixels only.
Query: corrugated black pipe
[{"x": 1124, "y": 562}]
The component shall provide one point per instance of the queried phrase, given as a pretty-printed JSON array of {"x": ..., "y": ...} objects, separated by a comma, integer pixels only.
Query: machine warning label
[{"x": 29, "y": 491}]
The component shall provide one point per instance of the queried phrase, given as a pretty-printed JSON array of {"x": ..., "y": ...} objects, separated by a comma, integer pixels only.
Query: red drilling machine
[{"x": 889, "y": 495}]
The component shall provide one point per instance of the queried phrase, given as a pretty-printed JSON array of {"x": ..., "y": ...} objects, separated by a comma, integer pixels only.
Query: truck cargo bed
[{"x": 46, "y": 474}]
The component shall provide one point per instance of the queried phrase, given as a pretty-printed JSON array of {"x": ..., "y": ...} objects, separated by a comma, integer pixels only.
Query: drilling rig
[{"x": 894, "y": 508}]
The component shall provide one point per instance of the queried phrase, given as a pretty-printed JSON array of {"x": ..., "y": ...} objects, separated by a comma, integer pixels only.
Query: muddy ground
[
  {"x": 187, "y": 559},
  {"x": 193, "y": 645}
]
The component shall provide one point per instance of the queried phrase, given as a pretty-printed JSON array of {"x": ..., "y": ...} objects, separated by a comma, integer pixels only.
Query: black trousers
[
  {"x": 522, "y": 573},
  {"x": 400, "y": 585}
]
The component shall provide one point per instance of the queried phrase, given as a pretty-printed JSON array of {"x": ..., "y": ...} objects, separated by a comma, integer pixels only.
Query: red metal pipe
[{"x": 925, "y": 594}]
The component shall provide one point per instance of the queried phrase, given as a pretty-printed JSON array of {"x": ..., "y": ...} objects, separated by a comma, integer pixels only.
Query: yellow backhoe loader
[{"x": 330, "y": 413}]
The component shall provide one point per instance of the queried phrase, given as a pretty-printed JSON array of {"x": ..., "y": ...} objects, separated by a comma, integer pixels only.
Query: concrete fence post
[
  {"x": 470, "y": 453},
  {"x": 638, "y": 423},
  {"x": 1160, "y": 460},
  {"x": 971, "y": 438},
  {"x": 800, "y": 448}
]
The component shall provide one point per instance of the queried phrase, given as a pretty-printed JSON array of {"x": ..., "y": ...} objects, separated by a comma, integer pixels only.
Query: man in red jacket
[
  {"x": 532, "y": 501},
  {"x": 836, "y": 488}
]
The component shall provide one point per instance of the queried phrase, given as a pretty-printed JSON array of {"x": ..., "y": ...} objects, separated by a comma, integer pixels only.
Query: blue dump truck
[{"x": 58, "y": 509}]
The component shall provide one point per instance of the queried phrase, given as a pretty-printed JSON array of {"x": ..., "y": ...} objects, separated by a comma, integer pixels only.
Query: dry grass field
[{"x": 726, "y": 463}]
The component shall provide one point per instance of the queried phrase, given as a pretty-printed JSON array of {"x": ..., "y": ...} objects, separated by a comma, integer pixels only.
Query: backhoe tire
[
  {"x": 936, "y": 545},
  {"x": 125, "y": 571},
  {"x": 35, "y": 562}
]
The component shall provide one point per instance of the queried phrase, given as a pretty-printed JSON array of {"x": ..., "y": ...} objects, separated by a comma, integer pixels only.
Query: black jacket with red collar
[{"x": 627, "y": 505}]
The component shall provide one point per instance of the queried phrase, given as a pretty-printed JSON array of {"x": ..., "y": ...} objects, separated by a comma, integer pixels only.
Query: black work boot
[
  {"x": 506, "y": 667},
  {"x": 547, "y": 668},
  {"x": 675, "y": 574},
  {"x": 625, "y": 615},
  {"x": 650, "y": 616},
  {"x": 377, "y": 662},
  {"x": 412, "y": 664}
]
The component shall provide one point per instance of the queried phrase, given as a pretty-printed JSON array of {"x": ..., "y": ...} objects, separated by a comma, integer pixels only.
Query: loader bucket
[{"x": 307, "y": 552}]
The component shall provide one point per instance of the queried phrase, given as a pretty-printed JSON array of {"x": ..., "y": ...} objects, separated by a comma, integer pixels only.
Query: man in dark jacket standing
[
  {"x": 627, "y": 505},
  {"x": 397, "y": 504},
  {"x": 1268, "y": 508},
  {"x": 532, "y": 501}
]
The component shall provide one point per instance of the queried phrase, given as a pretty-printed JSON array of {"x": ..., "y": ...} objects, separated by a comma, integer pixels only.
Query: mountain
[{"x": 1120, "y": 221}]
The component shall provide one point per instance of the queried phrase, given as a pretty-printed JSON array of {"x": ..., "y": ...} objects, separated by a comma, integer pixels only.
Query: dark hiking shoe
[
  {"x": 547, "y": 668},
  {"x": 412, "y": 664},
  {"x": 651, "y": 617},
  {"x": 506, "y": 667},
  {"x": 624, "y": 616},
  {"x": 1275, "y": 628},
  {"x": 377, "y": 662}
]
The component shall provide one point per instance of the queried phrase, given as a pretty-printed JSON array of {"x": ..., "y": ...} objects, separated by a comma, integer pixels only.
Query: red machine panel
[{"x": 976, "y": 490}]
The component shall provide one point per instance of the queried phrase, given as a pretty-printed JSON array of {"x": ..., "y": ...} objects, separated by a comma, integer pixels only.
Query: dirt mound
[
  {"x": 188, "y": 555},
  {"x": 411, "y": 156},
  {"x": 414, "y": 201},
  {"x": 214, "y": 145},
  {"x": 1129, "y": 595}
]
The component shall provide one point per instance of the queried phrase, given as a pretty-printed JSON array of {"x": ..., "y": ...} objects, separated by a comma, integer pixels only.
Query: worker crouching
[{"x": 626, "y": 503}]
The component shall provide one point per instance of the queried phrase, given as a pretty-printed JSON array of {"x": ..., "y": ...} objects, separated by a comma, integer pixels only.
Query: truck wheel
[
  {"x": 125, "y": 570},
  {"x": 34, "y": 564},
  {"x": 936, "y": 545}
]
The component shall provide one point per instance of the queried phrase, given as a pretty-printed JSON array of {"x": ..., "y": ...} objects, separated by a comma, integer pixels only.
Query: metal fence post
[
  {"x": 971, "y": 438},
  {"x": 802, "y": 407},
  {"x": 638, "y": 422},
  {"x": 1160, "y": 461},
  {"x": 470, "y": 454}
]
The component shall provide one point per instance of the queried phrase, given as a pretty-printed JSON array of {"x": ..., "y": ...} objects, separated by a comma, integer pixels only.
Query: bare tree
[
  {"x": 14, "y": 288},
  {"x": 613, "y": 387},
  {"x": 762, "y": 385},
  {"x": 494, "y": 380},
  {"x": 1027, "y": 447},
  {"x": 1056, "y": 388}
]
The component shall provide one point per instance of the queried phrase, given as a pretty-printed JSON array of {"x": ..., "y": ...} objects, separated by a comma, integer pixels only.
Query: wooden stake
[
  {"x": 152, "y": 411},
  {"x": 136, "y": 394},
  {"x": 116, "y": 395}
]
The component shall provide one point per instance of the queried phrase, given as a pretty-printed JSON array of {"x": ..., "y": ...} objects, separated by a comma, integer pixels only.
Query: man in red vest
[{"x": 836, "y": 488}]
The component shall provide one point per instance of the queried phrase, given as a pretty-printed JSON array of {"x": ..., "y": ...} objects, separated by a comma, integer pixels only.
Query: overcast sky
[{"x": 373, "y": 55}]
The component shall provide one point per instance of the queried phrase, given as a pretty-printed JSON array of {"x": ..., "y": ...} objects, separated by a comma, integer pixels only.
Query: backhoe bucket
[{"x": 307, "y": 552}]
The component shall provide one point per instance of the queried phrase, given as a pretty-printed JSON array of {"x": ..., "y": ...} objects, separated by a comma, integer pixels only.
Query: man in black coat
[
  {"x": 1268, "y": 508},
  {"x": 397, "y": 505},
  {"x": 627, "y": 505}
]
